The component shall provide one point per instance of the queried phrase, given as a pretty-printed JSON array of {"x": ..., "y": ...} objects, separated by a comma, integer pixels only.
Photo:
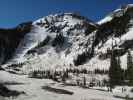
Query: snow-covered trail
[{"x": 33, "y": 89}]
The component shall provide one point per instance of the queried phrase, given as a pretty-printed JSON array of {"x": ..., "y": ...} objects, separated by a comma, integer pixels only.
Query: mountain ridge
[{"x": 72, "y": 40}]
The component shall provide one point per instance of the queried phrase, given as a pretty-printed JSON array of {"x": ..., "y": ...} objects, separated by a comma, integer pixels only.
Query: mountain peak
[
  {"x": 63, "y": 18},
  {"x": 60, "y": 32}
]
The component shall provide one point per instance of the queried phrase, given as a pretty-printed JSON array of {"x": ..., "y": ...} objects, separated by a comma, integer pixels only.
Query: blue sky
[{"x": 13, "y": 12}]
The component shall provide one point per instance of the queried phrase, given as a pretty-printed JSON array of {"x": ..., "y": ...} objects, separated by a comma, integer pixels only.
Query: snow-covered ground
[
  {"x": 123, "y": 91},
  {"x": 33, "y": 89}
]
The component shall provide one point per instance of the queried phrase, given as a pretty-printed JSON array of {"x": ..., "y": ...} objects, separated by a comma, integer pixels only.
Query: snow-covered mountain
[
  {"x": 56, "y": 41},
  {"x": 68, "y": 39}
]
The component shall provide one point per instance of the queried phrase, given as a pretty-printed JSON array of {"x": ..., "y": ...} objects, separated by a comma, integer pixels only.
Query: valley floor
[{"x": 34, "y": 91}]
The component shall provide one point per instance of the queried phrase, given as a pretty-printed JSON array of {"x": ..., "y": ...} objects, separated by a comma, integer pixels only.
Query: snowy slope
[
  {"x": 30, "y": 41},
  {"x": 33, "y": 89},
  {"x": 121, "y": 41}
]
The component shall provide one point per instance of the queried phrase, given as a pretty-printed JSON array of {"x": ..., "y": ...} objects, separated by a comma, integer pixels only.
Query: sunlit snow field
[{"x": 33, "y": 89}]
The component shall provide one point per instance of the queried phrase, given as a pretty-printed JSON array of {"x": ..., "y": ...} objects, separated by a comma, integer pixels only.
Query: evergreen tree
[
  {"x": 130, "y": 68},
  {"x": 129, "y": 59},
  {"x": 115, "y": 72},
  {"x": 84, "y": 81},
  {"x": 64, "y": 76}
]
